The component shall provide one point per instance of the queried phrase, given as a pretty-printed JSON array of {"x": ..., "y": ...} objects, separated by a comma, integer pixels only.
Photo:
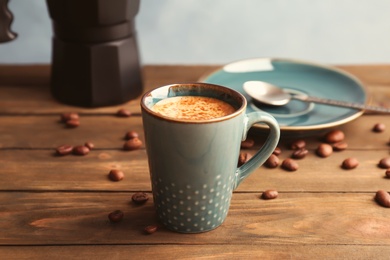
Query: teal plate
[{"x": 296, "y": 77}]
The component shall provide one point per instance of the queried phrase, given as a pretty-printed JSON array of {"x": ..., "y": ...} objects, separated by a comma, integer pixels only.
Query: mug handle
[{"x": 265, "y": 151}]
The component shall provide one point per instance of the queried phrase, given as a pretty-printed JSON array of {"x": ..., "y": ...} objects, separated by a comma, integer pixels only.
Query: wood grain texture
[
  {"x": 57, "y": 206},
  {"x": 25, "y": 89},
  {"x": 222, "y": 252},
  {"x": 40, "y": 170},
  {"x": 293, "y": 218}
]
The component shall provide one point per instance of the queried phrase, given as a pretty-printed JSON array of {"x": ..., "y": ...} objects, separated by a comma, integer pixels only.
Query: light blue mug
[{"x": 193, "y": 164}]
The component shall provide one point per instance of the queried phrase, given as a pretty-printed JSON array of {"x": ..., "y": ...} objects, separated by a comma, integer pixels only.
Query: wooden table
[{"x": 57, "y": 207}]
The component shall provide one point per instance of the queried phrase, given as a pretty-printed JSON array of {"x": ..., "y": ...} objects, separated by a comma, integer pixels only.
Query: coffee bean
[
  {"x": 350, "y": 163},
  {"x": 243, "y": 158},
  {"x": 272, "y": 161},
  {"x": 379, "y": 127},
  {"x": 123, "y": 113},
  {"x": 384, "y": 163},
  {"x": 89, "y": 145},
  {"x": 72, "y": 123},
  {"x": 69, "y": 116},
  {"x": 298, "y": 144},
  {"x": 387, "y": 173},
  {"x": 115, "y": 216},
  {"x": 382, "y": 197},
  {"x": 116, "y": 175},
  {"x": 300, "y": 153},
  {"x": 140, "y": 198},
  {"x": 80, "y": 150},
  {"x": 334, "y": 136},
  {"x": 150, "y": 229},
  {"x": 248, "y": 143},
  {"x": 277, "y": 151},
  {"x": 339, "y": 146},
  {"x": 132, "y": 144},
  {"x": 64, "y": 149},
  {"x": 269, "y": 194},
  {"x": 289, "y": 164},
  {"x": 131, "y": 134},
  {"x": 324, "y": 150}
]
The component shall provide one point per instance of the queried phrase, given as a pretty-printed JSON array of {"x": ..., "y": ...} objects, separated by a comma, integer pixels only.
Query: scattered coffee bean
[
  {"x": 89, "y": 145},
  {"x": 72, "y": 123},
  {"x": 131, "y": 134},
  {"x": 248, "y": 143},
  {"x": 289, "y": 164},
  {"x": 115, "y": 216},
  {"x": 382, "y": 197},
  {"x": 132, "y": 144},
  {"x": 123, "y": 113},
  {"x": 64, "y": 149},
  {"x": 350, "y": 163},
  {"x": 269, "y": 194},
  {"x": 384, "y": 163},
  {"x": 69, "y": 116},
  {"x": 324, "y": 150},
  {"x": 298, "y": 144},
  {"x": 243, "y": 158},
  {"x": 272, "y": 161},
  {"x": 80, "y": 150},
  {"x": 140, "y": 198},
  {"x": 116, "y": 175},
  {"x": 299, "y": 153},
  {"x": 150, "y": 229},
  {"x": 277, "y": 151},
  {"x": 379, "y": 127},
  {"x": 334, "y": 136},
  {"x": 387, "y": 173},
  {"x": 339, "y": 146}
]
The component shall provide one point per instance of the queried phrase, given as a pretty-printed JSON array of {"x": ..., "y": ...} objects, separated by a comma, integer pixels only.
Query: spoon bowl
[
  {"x": 269, "y": 94},
  {"x": 266, "y": 93}
]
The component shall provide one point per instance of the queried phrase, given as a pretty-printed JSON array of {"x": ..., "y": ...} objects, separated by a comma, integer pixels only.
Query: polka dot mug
[{"x": 193, "y": 163}]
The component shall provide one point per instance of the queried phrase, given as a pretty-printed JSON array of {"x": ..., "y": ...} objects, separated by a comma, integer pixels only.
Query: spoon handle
[{"x": 340, "y": 103}]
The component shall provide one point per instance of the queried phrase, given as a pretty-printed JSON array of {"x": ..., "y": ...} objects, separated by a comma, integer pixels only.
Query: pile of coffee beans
[
  {"x": 116, "y": 216},
  {"x": 150, "y": 229},
  {"x": 269, "y": 194},
  {"x": 289, "y": 164},
  {"x": 71, "y": 119},
  {"x": 350, "y": 163},
  {"x": 116, "y": 175},
  {"x": 243, "y": 158},
  {"x": 132, "y": 144},
  {"x": 66, "y": 149},
  {"x": 379, "y": 127},
  {"x": 333, "y": 141},
  {"x": 140, "y": 198},
  {"x": 123, "y": 113},
  {"x": 382, "y": 197},
  {"x": 272, "y": 161}
]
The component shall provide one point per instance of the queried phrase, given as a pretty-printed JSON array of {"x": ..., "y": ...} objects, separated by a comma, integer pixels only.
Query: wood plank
[
  {"x": 39, "y": 170},
  {"x": 25, "y": 89},
  {"x": 223, "y": 252},
  {"x": 26, "y": 156},
  {"x": 47, "y": 132},
  {"x": 107, "y": 132},
  {"x": 293, "y": 218}
]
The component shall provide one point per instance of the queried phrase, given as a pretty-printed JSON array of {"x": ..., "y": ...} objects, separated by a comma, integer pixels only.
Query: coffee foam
[{"x": 193, "y": 108}]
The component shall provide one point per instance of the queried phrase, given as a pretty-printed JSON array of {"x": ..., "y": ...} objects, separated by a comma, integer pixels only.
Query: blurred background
[{"x": 221, "y": 31}]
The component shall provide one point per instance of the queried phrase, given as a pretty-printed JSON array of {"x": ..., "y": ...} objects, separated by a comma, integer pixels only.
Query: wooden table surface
[{"x": 57, "y": 207}]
